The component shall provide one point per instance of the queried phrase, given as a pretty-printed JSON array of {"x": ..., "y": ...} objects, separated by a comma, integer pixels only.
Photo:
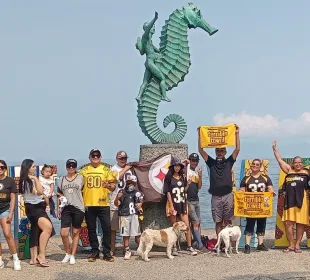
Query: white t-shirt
[
  {"x": 120, "y": 185},
  {"x": 46, "y": 184}
]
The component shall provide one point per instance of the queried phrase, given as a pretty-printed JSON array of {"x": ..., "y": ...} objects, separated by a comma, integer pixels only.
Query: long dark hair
[
  {"x": 4, "y": 163},
  {"x": 170, "y": 173},
  {"x": 25, "y": 182}
]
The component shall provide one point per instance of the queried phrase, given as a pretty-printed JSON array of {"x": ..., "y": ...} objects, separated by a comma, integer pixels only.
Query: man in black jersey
[
  {"x": 255, "y": 182},
  {"x": 129, "y": 203},
  {"x": 221, "y": 185}
]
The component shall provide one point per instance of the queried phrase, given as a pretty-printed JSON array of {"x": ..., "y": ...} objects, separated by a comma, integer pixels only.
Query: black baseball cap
[
  {"x": 93, "y": 151},
  {"x": 71, "y": 162},
  {"x": 193, "y": 156},
  {"x": 176, "y": 161}
]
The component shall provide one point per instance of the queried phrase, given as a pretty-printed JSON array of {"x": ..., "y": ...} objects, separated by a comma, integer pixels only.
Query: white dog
[
  {"x": 228, "y": 234},
  {"x": 163, "y": 238}
]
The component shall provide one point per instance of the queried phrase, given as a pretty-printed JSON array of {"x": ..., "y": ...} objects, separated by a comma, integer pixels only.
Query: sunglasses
[
  {"x": 255, "y": 164},
  {"x": 123, "y": 158},
  {"x": 2, "y": 167},
  {"x": 71, "y": 166},
  {"x": 194, "y": 160},
  {"x": 95, "y": 155},
  {"x": 220, "y": 150}
]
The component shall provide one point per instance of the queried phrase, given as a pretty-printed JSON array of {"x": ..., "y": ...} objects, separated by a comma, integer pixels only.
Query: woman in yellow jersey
[
  {"x": 296, "y": 202},
  {"x": 98, "y": 183}
]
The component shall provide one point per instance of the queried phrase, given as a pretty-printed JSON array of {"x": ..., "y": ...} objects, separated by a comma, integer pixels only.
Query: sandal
[
  {"x": 289, "y": 249},
  {"x": 31, "y": 263},
  {"x": 297, "y": 250},
  {"x": 44, "y": 264}
]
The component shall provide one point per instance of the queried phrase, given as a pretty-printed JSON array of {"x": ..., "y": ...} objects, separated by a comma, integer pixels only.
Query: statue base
[{"x": 155, "y": 213}]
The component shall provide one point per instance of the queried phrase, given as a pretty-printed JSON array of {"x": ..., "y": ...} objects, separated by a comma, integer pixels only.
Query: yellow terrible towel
[{"x": 217, "y": 136}]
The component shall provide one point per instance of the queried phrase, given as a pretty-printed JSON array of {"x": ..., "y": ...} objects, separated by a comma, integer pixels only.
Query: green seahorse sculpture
[{"x": 165, "y": 68}]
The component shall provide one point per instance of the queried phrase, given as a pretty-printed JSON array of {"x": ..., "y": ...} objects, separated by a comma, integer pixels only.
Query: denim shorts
[{"x": 5, "y": 214}]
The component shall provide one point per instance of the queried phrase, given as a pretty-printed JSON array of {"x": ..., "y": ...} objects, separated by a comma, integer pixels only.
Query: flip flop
[
  {"x": 31, "y": 263},
  {"x": 288, "y": 250},
  {"x": 297, "y": 250},
  {"x": 44, "y": 264}
]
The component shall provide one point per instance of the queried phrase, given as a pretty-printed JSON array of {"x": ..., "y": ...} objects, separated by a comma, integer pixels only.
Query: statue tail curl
[{"x": 147, "y": 113}]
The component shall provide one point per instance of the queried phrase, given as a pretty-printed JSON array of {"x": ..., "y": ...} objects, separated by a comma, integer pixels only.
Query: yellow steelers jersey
[{"x": 94, "y": 192}]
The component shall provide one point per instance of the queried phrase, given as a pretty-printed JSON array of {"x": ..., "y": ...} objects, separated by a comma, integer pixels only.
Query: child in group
[
  {"x": 129, "y": 203},
  {"x": 48, "y": 186}
]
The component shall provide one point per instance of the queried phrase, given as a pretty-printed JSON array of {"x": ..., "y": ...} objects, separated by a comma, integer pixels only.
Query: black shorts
[{"x": 71, "y": 215}]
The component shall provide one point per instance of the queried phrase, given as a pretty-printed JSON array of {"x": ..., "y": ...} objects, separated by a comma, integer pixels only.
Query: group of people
[{"x": 110, "y": 194}]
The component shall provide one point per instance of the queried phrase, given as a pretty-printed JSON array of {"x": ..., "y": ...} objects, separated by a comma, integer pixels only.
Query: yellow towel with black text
[{"x": 217, "y": 136}]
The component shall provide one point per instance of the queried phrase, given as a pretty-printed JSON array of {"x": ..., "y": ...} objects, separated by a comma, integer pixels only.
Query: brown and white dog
[{"x": 163, "y": 238}]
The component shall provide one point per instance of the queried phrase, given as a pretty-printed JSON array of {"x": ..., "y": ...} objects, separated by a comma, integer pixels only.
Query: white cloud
[{"x": 266, "y": 124}]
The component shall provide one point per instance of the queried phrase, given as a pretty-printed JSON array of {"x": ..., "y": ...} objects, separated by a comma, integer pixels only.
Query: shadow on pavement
[
  {"x": 277, "y": 276},
  {"x": 76, "y": 276}
]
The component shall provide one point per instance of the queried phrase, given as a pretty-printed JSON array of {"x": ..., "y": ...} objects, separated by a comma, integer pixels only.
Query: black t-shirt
[
  {"x": 176, "y": 188},
  {"x": 192, "y": 192},
  {"x": 128, "y": 201},
  {"x": 294, "y": 186},
  {"x": 220, "y": 175},
  {"x": 7, "y": 186},
  {"x": 253, "y": 184}
]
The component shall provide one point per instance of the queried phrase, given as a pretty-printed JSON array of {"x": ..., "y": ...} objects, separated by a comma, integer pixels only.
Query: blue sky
[{"x": 69, "y": 75}]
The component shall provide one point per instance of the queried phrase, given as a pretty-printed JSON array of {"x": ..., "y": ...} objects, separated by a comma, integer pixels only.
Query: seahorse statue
[{"x": 166, "y": 67}]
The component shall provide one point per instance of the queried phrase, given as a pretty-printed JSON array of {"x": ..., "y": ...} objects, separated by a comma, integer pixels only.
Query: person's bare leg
[
  {"x": 64, "y": 232},
  {"x": 6, "y": 228},
  {"x": 184, "y": 219},
  {"x": 46, "y": 228},
  {"x": 289, "y": 228},
  {"x": 300, "y": 229},
  {"x": 34, "y": 254},
  {"x": 75, "y": 240},
  {"x": 113, "y": 240}
]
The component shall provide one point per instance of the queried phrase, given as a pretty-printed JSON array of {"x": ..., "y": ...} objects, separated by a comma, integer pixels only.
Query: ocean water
[{"x": 204, "y": 196}]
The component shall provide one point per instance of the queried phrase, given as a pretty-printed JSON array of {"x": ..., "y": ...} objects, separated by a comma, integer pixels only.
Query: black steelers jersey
[
  {"x": 128, "y": 201},
  {"x": 178, "y": 197},
  {"x": 259, "y": 184}
]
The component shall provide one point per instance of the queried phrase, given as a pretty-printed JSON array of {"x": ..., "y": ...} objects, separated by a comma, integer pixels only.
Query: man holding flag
[{"x": 221, "y": 184}]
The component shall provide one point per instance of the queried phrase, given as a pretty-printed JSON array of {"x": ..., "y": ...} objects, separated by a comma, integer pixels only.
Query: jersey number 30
[{"x": 179, "y": 195}]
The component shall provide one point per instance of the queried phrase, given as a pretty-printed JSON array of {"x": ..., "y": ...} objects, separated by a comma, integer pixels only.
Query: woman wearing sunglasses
[
  {"x": 73, "y": 210},
  {"x": 8, "y": 192}
]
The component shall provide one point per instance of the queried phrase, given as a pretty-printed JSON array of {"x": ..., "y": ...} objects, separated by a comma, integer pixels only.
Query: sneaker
[
  {"x": 1, "y": 264},
  {"x": 108, "y": 258},
  {"x": 17, "y": 265},
  {"x": 72, "y": 260},
  {"x": 93, "y": 257},
  {"x": 175, "y": 252},
  {"x": 247, "y": 249},
  {"x": 66, "y": 258},
  {"x": 261, "y": 247},
  {"x": 203, "y": 250},
  {"x": 127, "y": 255},
  {"x": 192, "y": 251}
]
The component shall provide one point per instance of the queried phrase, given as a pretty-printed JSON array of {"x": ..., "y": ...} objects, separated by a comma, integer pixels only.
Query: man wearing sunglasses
[
  {"x": 96, "y": 195},
  {"x": 221, "y": 184}
]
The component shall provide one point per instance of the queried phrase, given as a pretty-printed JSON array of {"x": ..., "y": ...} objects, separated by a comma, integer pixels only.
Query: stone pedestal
[{"x": 155, "y": 213}]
